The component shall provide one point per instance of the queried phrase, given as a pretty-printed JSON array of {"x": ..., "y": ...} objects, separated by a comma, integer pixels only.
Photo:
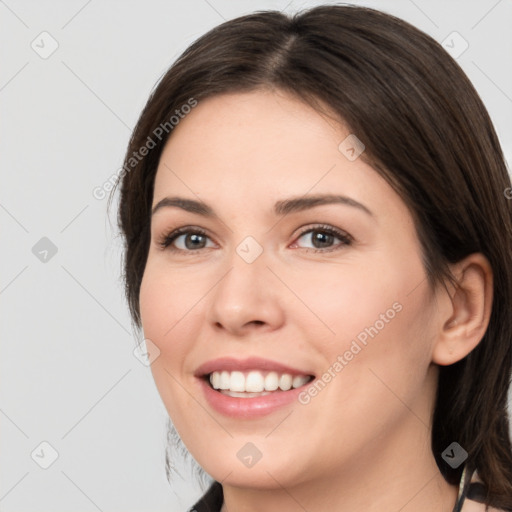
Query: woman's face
[{"x": 280, "y": 287}]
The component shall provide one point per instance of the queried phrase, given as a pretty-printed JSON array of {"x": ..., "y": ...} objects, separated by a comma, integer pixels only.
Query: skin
[{"x": 363, "y": 443}]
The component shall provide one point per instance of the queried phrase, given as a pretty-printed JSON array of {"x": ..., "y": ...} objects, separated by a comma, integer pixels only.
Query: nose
[{"x": 247, "y": 298}]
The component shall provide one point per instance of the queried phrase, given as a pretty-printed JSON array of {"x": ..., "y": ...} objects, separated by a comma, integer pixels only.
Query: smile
[
  {"x": 250, "y": 388},
  {"x": 255, "y": 383}
]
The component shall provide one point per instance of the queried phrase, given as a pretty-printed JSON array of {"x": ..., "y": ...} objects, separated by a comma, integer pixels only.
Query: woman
[{"x": 317, "y": 244}]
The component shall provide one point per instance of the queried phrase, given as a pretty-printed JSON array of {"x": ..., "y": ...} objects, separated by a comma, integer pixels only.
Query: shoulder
[
  {"x": 211, "y": 501},
  {"x": 474, "y": 500},
  {"x": 474, "y": 506}
]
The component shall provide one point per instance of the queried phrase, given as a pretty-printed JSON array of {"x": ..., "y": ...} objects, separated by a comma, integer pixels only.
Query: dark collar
[{"x": 211, "y": 501}]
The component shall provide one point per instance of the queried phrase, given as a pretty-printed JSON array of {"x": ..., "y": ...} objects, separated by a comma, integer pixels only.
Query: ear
[{"x": 466, "y": 310}]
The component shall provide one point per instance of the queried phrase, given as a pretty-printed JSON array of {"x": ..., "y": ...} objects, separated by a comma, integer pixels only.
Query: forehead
[
  {"x": 249, "y": 129},
  {"x": 263, "y": 146}
]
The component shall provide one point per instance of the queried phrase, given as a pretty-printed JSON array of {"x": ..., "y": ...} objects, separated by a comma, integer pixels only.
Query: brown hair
[{"x": 425, "y": 130}]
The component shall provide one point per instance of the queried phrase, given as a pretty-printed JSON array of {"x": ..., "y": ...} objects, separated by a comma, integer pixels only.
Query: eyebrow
[{"x": 281, "y": 208}]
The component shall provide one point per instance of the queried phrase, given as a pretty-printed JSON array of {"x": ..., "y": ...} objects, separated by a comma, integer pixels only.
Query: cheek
[
  {"x": 395, "y": 353},
  {"x": 377, "y": 359},
  {"x": 380, "y": 312},
  {"x": 170, "y": 321},
  {"x": 343, "y": 300},
  {"x": 167, "y": 302}
]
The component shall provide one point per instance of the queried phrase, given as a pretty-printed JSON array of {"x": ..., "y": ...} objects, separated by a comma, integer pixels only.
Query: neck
[
  {"x": 406, "y": 486},
  {"x": 395, "y": 471}
]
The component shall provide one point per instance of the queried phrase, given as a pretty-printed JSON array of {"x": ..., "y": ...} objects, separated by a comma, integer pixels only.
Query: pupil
[
  {"x": 193, "y": 237},
  {"x": 325, "y": 236}
]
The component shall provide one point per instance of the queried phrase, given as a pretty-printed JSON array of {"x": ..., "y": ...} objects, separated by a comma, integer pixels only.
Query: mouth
[
  {"x": 254, "y": 383},
  {"x": 250, "y": 388}
]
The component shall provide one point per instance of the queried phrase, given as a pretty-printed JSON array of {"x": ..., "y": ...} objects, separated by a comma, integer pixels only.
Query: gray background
[{"x": 69, "y": 376}]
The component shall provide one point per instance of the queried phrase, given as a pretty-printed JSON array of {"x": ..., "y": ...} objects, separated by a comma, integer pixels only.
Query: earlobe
[{"x": 467, "y": 310}]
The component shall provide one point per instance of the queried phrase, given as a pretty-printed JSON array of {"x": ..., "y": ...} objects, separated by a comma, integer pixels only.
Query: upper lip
[{"x": 251, "y": 363}]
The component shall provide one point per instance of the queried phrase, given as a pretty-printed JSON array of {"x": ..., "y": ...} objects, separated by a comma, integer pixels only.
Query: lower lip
[{"x": 237, "y": 407}]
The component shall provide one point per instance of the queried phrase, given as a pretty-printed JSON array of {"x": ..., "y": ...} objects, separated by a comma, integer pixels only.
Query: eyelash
[{"x": 166, "y": 241}]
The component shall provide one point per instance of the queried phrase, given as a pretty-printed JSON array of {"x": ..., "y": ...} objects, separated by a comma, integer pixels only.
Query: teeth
[
  {"x": 237, "y": 382},
  {"x": 272, "y": 381},
  {"x": 223, "y": 380},
  {"x": 255, "y": 381},
  {"x": 285, "y": 382},
  {"x": 299, "y": 380},
  {"x": 215, "y": 379}
]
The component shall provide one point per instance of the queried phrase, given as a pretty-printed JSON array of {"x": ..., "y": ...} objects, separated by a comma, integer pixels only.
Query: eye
[
  {"x": 185, "y": 239},
  {"x": 322, "y": 238},
  {"x": 192, "y": 239}
]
